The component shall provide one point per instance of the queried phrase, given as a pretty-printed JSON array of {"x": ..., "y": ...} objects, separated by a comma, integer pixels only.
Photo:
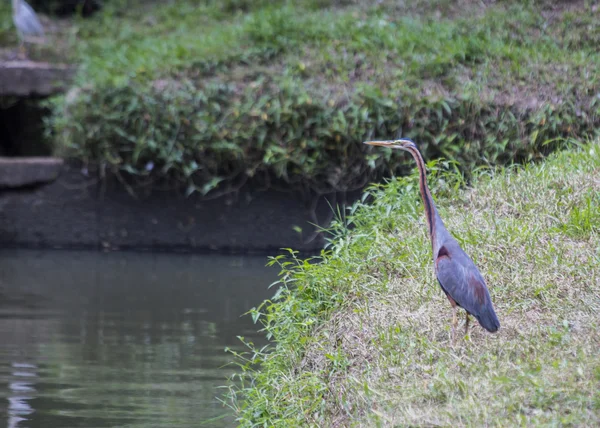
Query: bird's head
[{"x": 402, "y": 144}]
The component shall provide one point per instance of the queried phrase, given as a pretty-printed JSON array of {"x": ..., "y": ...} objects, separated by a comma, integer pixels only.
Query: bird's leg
[
  {"x": 22, "y": 49},
  {"x": 454, "y": 323},
  {"x": 454, "y": 319},
  {"x": 467, "y": 325},
  {"x": 467, "y": 328}
]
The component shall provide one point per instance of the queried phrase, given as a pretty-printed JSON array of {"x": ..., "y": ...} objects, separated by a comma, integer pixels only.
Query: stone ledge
[
  {"x": 29, "y": 171},
  {"x": 28, "y": 78},
  {"x": 76, "y": 211}
]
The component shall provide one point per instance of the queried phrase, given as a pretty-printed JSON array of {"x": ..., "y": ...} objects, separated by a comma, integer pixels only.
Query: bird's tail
[{"x": 488, "y": 319}]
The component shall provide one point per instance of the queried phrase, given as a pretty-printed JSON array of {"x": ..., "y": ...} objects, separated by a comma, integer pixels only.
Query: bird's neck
[{"x": 434, "y": 222}]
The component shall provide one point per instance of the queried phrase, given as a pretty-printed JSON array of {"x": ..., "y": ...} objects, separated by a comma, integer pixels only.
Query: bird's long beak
[{"x": 383, "y": 143}]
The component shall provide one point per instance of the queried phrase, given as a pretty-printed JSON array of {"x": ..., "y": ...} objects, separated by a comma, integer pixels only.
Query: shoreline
[{"x": 72, "y": 211}]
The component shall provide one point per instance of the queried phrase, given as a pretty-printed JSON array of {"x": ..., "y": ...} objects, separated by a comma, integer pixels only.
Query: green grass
[
  {"x": 212, "y": 94},
  {"x": 361, "y": 334}
]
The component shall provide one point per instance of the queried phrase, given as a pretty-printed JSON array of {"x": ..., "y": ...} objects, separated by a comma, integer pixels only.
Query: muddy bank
[{"x": 76, "y": 211}]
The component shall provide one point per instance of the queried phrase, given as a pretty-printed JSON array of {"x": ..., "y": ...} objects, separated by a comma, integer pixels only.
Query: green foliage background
[{"x": 207, "y": 94}]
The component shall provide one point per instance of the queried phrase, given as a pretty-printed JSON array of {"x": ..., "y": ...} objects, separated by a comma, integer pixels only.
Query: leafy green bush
[
  {"x": 281, "y": 130},
  {"x": 288, "y": 92}
]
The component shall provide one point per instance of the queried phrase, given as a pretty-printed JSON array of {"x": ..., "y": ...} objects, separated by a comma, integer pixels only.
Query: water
[{"x": 122, "y": 339}]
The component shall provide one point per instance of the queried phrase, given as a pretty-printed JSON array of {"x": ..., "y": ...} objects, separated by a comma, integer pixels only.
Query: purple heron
[{"x": 456, "y": 273}]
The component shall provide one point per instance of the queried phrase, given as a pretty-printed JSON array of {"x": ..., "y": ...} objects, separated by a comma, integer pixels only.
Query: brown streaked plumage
[{"x": 456, "y": 273}]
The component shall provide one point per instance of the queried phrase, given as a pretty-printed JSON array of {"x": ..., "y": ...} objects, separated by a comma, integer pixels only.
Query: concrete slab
[
  {"x": 29, "y": 78},
  {"x": 77, "y": 211},
  {"x": 28, "y": 171}
]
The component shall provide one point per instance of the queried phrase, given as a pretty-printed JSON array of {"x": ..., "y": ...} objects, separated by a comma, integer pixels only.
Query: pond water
[{"x": 122, "y": 339}]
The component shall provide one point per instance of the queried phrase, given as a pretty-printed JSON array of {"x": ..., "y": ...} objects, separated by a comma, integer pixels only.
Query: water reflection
[
  {"x": 121, "y": 339},
  {"x": 19, "y": 407}
]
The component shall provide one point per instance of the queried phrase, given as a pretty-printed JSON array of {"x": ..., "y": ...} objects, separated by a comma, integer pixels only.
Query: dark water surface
[{"x": 121, "y": 339}]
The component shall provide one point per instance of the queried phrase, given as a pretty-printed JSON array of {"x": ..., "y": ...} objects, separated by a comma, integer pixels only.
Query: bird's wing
[{"x": 463, "y": 283}]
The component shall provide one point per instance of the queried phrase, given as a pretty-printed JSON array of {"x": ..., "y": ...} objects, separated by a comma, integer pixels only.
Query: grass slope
[{"x": 362, "y": 336}]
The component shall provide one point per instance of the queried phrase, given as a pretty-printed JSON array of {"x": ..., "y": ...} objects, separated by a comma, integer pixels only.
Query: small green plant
[{"x": 585, "y": 219}]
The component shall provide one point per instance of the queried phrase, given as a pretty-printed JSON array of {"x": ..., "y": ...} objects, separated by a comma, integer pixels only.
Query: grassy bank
[
  {"x": 208, "y": 94},
  {"x": 362, "y": 336}
]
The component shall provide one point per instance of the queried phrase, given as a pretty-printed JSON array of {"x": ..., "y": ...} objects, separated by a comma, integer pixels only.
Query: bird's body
[
  {"x": 463, "y": 284},
  {"x": 26, "y": 21},
  {"x": 456, "y": 273}
]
